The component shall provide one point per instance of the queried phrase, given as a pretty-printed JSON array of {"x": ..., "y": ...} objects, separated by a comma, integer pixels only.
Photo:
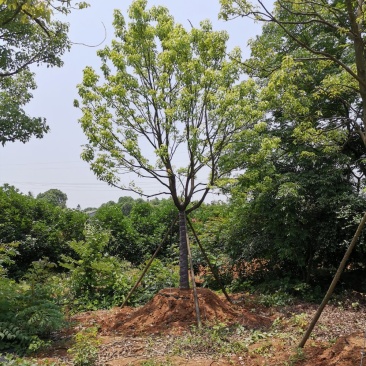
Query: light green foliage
[
  {"x": 310, "y": 60},
  {"x": 16, "y": 125},
  {"x": 11, "y": 360},
  {"x": 98, "y": 280},
  {"x": 160, "y": 275},
  {"x": 165, "y": 86},
  {"x": 84, "y": 352},
  {"x": 7, "y": 251},
  {"x": 164, "y": 93},
  {"x": 211, "y": 226},
  {"x": 278, "y": 298},
  {"x": 303, "y": 165}
]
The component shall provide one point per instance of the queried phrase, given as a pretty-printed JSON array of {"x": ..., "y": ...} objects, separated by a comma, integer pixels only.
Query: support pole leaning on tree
[
  {"x": 149, "y": 263},
  {"x": 213, "y": 270},
  {"x": 334, "y": 282}
]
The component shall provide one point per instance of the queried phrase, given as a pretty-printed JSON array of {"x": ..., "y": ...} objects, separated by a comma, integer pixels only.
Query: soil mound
[
  {"x": 172, "y": 311},
  {"x": 345, "y": 352}
]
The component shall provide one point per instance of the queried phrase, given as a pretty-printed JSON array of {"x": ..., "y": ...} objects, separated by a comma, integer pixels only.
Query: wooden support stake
[
  {"x": 213, "y": 270},
  {"x": 149, "y": 264},
  {"x": 334, "y": 282}
]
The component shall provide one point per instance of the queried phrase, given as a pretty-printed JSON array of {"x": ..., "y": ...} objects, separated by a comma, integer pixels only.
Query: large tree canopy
[
  {"x": 29, "y": 36},
  {"x": 168, "y": 103},
  {"x": 304, "y": 167},
  {"x": 327, "y": 37}
]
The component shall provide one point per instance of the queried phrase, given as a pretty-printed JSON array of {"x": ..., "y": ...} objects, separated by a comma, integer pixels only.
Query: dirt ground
[{"x": 164, "y": 332}]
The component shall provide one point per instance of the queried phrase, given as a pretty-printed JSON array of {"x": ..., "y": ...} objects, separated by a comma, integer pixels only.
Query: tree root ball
[{"x": 173, "y": 311}]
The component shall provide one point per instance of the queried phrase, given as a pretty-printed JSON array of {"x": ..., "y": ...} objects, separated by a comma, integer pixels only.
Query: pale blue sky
[{"x": 54, "y": 161}]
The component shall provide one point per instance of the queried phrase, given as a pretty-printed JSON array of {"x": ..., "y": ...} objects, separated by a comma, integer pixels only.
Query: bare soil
[{"x": 164, "y": 332}]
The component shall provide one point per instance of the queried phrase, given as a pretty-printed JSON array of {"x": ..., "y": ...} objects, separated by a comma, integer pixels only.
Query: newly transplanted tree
[
  {"x": 168, "y": 103},
  {"x": 29, "y": 36}
]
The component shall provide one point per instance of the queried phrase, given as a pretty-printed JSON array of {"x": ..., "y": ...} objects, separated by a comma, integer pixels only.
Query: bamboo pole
[
  {"x": 213, "y": 270},
  {"x": 149, "y": 263},
  {"x": 334, "y": 282}
]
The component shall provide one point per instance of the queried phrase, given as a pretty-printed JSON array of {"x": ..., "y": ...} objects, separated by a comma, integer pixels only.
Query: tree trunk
[{"x": 183, "y": 251}]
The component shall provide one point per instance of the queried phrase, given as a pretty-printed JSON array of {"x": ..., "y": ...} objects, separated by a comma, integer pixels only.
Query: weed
[
  {"x": 217, "y": 340},
  {"x": 167, "y": 362},
  {"x": 256, "y": 336},
  {"x": 264, "y": 349},
  {"x": 11, "y": 360},
  {"x": 85, "y": 349},
  {"x": 278, "y": 298},
  {"x": 296, "y": 357},
  {"x": 299, "y": 320}
]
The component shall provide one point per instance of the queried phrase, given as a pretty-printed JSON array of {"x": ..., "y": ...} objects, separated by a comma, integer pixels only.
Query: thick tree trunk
[{"x": 183, "y": 251}]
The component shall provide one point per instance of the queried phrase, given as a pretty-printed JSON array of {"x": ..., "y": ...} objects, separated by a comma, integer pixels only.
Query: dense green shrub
[
  {"x": 160, "y": 275},
  {"x": 28, "y": 311},
  {"x": 300, "y": 218},
  {"x": 137, "y": 227},
  {"x": 40, "y": 228},
  {"x": 99, "y": 280}
]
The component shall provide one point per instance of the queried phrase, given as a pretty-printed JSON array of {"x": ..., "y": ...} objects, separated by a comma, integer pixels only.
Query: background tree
[
  {"x": 54, "y": 196},
  {"x": 329, "y": 38},
  {"x": 304, "y": 62},
  {"x": 41, "y": 229},
  {"x": 167, "y": 95},
  {"x": 29, "y": 36},
  {"x": 135, "y": 233}
]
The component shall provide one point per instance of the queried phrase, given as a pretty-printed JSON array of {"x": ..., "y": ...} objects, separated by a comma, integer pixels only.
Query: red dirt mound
[
  {"x": 345, "y": 352},
  {"x": 172, "y": 311}
]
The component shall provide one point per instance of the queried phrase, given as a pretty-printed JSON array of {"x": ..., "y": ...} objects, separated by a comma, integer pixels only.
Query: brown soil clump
[
  {"x": 172, "y": 311},
  {"x": 345, "y": 352}
]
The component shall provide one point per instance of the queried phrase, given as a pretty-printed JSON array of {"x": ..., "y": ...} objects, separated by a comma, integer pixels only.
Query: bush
[
  {"x": 28, "y": 312},
  {"x": 160, "y": 275}
]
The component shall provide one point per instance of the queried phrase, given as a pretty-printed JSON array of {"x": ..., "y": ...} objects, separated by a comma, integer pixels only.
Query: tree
[
  {"x": 169, "y": 95},
  {"x": 41, "y": 229},
  {"x": 297, "y": 212},
  {"x": 326, "y": 36},
  {"x": 54, "y": 196},
  {"x": 28, "y": 37}
]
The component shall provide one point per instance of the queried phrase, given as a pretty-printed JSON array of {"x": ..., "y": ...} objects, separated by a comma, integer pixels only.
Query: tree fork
[{"x": 334, "y": 282}]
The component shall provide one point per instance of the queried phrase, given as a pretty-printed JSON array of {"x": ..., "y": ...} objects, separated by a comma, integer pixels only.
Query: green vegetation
[
  {"x": 85, "y": 349},
  {"x": 290, "y": 122},
  {"x": 30, "y": 35},
  {"x": 172, "y": 92}
]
